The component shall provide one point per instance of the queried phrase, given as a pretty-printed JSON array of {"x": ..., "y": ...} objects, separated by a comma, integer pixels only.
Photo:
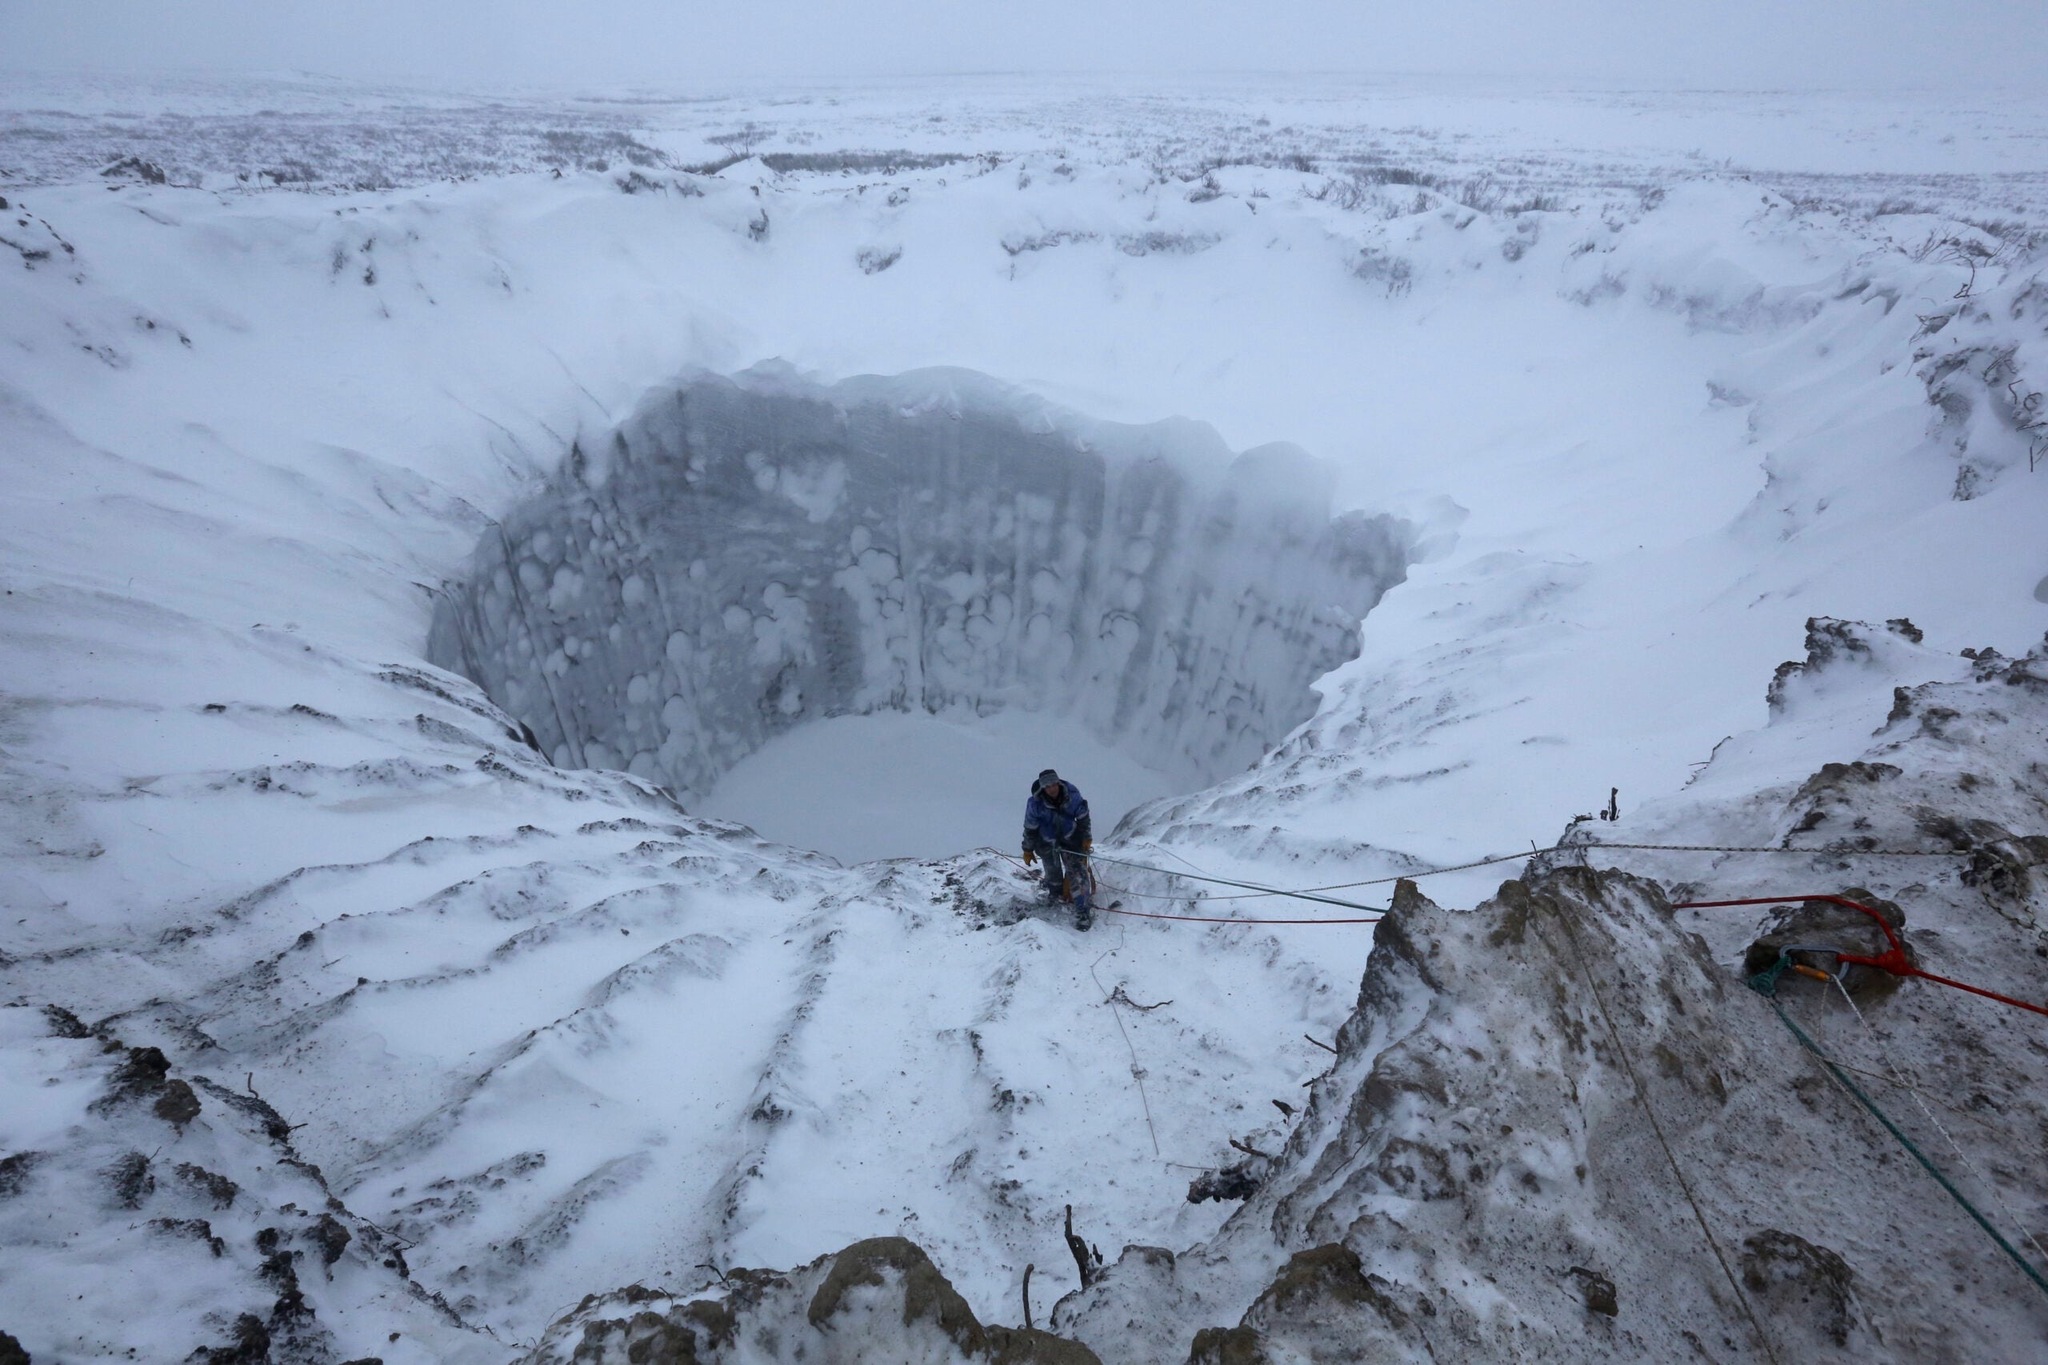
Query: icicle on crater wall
[{"x": 747, "y": 554}]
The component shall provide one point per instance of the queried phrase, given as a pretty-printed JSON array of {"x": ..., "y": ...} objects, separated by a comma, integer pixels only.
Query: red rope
[
  {"x": 1202, "y": 919},
  {"x": 1882, "y": 923},
  {"x": 1959, "y": 985},
  {"x": 1893, "y": 959}
]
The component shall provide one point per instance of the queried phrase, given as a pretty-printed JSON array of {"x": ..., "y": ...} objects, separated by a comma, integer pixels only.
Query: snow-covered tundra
[{"x": 425, "y": 519}]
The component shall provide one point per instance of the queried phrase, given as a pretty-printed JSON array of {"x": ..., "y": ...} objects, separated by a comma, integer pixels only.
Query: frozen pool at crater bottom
[{"x": 896, "y": 785}]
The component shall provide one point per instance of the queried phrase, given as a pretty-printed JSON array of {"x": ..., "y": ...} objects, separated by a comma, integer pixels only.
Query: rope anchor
[{"x": 1893, "y": 959}]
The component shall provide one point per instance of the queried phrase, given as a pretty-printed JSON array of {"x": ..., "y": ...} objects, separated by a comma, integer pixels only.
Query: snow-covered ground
[{"x": 1651, "y": 379}]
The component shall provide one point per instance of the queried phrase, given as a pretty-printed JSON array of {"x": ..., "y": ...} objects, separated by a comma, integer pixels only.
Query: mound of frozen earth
[
  {"x": 1559, "y": 1127},
  {"x": 747, "y": 555}
]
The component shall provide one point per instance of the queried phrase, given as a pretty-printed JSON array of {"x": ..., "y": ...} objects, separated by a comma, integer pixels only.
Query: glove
[
  {"x": 1029, "y": 857},
  {"x": 1088, "y": 845}
]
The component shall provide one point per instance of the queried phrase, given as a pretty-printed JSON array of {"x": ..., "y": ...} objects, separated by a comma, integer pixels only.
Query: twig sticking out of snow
[
  {"x": 1086, "y": 1257},
  {"x": 1119, "y": 997}
]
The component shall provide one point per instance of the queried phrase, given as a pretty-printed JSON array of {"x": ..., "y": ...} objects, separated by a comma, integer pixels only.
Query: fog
[{"x": 1684, "y": 43}]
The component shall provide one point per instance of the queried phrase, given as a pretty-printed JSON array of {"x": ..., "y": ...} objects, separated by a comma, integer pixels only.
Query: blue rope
[{"x": 1765, "y": 983}]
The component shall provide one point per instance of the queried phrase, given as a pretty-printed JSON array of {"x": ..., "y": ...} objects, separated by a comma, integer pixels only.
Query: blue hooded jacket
[{"x": 1063, "y": 826}]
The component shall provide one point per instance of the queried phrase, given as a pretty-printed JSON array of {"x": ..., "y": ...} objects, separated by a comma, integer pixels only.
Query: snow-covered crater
[{"x": 747, "y": 555}]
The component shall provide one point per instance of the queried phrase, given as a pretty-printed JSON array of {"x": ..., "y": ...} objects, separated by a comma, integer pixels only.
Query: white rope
[
  {"x": 1898, "y": 1078},
  {"x": 1137, "y": 1072}
]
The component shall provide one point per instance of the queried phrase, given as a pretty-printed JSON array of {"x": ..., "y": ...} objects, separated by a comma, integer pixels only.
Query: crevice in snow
[{"x": 745, "y": 555}]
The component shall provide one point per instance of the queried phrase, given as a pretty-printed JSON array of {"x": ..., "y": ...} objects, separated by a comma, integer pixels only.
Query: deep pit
[{"x": 748, "y": 557}]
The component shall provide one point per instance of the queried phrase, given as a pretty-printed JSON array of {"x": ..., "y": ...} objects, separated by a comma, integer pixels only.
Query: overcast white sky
[{"x": 1743, "y": 43}]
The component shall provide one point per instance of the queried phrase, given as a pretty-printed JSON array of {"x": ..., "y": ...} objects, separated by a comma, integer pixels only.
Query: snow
[
  {"x": 1644, "y": 410},
  {"x": 907, "y": 786}
]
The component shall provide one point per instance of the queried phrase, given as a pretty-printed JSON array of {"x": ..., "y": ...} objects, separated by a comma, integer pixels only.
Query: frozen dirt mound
[
  {"x": 1560, "y": 1127},
  {"x": 745, "y": 555},
  {"x": 879, "y": 1299}
]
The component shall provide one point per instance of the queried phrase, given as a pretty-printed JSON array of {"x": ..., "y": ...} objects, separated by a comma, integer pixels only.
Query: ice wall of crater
[{"x": 746, "y": 554}]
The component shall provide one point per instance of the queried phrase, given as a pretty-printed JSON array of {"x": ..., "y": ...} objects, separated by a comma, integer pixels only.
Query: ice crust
[{"x": 747, "y": 554}]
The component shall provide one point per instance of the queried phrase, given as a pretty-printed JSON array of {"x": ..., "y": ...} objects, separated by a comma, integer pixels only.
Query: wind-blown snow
[{"x": 1647, "y": 415}]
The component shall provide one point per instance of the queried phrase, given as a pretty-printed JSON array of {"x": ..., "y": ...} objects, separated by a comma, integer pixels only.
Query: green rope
[{"x": 1765, "y": 983}]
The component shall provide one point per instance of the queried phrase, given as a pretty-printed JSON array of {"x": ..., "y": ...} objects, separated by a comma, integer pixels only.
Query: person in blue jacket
[{"x": 1057, "y": 833}]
